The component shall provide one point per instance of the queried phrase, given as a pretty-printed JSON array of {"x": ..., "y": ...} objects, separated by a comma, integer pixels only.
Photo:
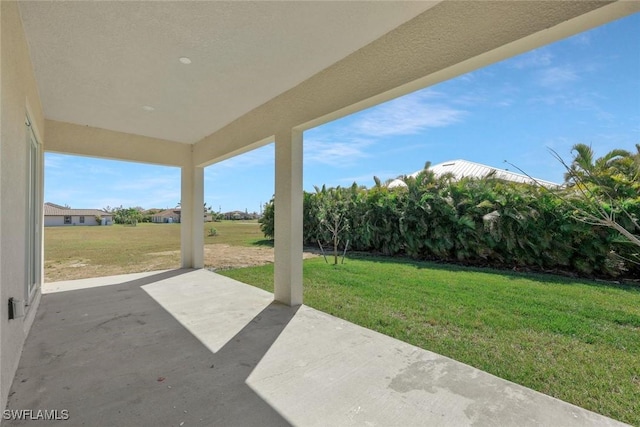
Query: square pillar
[
  {"x": 192, "y": 217},
  {"x": 288, "y": 218}
]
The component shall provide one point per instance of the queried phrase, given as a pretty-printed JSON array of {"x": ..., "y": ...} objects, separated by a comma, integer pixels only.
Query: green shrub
[{"x": 474, "y": 221}]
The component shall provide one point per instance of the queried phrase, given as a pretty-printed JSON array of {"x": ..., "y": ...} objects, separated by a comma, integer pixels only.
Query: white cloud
[
  {"x": 398, "y": 149},
  {"x": 469, "y": 100},
  {"x": 260, "y": 156},
  {"x": 550, "y": 99},
  {"x": 504, "y": 103},
  {"x": 157, "y": 191},
  {"x": 62, "y": 196},
  {"x": 535, "y": 59},
  {"x": 408, "y": 115},
  {"x": 583, "y": 39},
  {"x": 555, "y": 77},
  {"x": 348, "y": 141},
  {"x": 148, "y": 183},
  {"x": 338, "y": 154},
  {"x": 582, "y": 101},
  {"x": 97, "y": 169},
  {"x": 54, "y": 161},
  {"x": 158, "y": 198}
]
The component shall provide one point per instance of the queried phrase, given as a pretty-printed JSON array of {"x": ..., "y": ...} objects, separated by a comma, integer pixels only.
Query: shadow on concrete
[
  {"x": 157, "y": 277},
  {"x": 112, "y": 356}
]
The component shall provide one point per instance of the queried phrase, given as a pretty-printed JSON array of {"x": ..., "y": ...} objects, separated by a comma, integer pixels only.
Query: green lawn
[
  {"x": 236, "y": 233},
  {"x": 576, "y": 340},
  {"x": 147, "y": 237},
  {"x": 79, "y": 252}
]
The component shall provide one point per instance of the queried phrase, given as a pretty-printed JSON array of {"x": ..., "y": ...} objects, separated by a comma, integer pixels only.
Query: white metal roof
[{"x": 466, "y": 169}]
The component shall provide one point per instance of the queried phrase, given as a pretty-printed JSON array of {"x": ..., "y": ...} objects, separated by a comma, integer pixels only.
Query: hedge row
[{"x": 472, "y": 221}]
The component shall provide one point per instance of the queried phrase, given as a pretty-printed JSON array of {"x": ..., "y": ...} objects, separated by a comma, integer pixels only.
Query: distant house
[
  {"x": 466, "y": 169},
  {"x": 56, "y": 215},
  {"x": 239, "y": 215},
  {"x": 166, "y": 216}
]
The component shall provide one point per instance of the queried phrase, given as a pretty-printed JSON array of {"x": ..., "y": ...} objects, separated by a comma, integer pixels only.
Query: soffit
[{"x": 98, "y": 63}]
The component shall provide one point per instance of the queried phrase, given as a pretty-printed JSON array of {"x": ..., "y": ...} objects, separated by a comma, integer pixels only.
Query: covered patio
[
  {"x": 189, "y": 84},
  {"x": 190, "y": 347}
]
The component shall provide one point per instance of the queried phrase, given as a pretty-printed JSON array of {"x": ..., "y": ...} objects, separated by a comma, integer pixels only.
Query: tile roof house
[
  {"x": 166, "y": 216},
  {"x": 56, "y": 215}
]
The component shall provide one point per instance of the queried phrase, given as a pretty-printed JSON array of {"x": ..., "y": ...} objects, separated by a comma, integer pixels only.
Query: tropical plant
[
  {"x": 267, "y": 221},
  {"x": 333, "y": 209},
  {"x": 126, "y": 215},
  {"x": 488, "y": 221},
  {"x": 610, "y": 188},
  {"x": 599, "y": 172}
]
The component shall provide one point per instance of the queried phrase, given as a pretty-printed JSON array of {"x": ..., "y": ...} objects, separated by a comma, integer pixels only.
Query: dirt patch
[
  {"x": 217, "y": 256},
  {"x": 221, "y": 256},
  {"x": 78, "y": 264},
  {"x": 70, "y": 269}
]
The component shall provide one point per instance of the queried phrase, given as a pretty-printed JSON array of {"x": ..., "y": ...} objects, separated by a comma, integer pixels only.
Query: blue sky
[{"x": 584, "y": 89}]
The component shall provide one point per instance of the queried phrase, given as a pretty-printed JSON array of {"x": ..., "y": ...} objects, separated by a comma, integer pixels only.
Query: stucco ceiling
[{"x": 99, "y": 63}]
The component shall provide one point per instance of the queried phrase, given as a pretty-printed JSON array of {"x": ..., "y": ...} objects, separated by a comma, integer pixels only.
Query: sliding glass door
[{"x": 33, "y": 214}]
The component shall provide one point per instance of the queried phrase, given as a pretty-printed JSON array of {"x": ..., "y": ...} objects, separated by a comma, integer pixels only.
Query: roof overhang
[
  {"x": 259, "y": 68},
  {"x": 116, "y": 64}
]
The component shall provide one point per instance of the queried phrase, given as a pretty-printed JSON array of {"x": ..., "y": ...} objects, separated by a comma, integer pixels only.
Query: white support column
[
  {"x": 288, "y": 218},
  {"x": 192, "y": 217},
  {"x": 198, "y": 217}
]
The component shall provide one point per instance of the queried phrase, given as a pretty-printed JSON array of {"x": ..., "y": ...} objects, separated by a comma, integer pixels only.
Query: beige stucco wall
[
  {"x": 19, "y": 96},
  {"x": 71, "y": 138},
  {"x": 55, "y": 221}
]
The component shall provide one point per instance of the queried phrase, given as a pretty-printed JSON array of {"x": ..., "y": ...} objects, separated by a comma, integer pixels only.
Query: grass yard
[
  {"x": 576, "y": 340},
  {"x": 81, "y": 252},
  {"x": 235, "y": 233}
]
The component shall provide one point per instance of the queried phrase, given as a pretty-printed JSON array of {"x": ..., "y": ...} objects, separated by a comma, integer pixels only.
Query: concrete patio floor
[{"x": 193, "y": 348}]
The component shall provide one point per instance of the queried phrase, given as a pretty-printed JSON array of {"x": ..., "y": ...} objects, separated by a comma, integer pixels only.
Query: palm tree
[
  {"x": 586, "y": 168},
  {"x": 582, "y": 164}
]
